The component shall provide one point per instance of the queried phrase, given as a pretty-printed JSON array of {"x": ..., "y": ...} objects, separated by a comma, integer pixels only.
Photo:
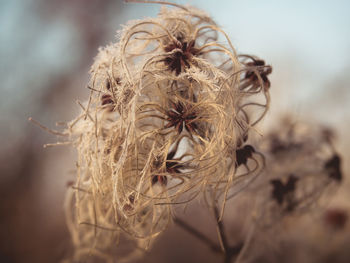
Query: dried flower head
[
  {"x": 180, "y": 54},
  {"x": 302, "y": 171},
  {"x": 302, "y": 165},
  {"x": 170, "y": 110}
]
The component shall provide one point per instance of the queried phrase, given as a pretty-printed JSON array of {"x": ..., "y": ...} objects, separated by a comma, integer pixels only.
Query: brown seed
[{"x": 336, "y": 218}]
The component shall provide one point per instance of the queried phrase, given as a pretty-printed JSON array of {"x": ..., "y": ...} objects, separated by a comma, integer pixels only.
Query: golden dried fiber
[{"x": 170, "y": 110}]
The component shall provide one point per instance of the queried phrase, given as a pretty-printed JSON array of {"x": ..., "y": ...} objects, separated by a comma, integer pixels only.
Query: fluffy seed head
[{"x": 169, "y": 114}]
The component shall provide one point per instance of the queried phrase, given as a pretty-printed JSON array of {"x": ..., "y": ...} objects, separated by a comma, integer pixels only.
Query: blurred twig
[
  {"x": 197, "y": 234},
  {"x": 229, "y": 252}
]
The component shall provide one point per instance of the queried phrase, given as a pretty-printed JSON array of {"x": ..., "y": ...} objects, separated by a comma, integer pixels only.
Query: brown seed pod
[
  {"x": 182, "y": 115},
  {"x": 181, "y": 54},
  {"x": 336, "y": 218},
  {"x": 283, "y": 192},
  {"x": 256, "y": 74}
]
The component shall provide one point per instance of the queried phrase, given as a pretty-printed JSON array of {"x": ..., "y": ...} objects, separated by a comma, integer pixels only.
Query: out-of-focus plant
[{"x": 303, "y": 170}]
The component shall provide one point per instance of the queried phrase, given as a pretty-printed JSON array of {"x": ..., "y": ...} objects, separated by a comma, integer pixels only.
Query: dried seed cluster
[
  {"x": 302, "y": 165},
  {"x": 303, "y": 170},
  {"x": 168, "y": 120}
]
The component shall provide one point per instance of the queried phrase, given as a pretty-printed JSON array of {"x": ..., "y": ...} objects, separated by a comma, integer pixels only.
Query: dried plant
[
  {"x": 303, "y": 163},
  {"x": 167, "y": 121},
  {"x": 302, "y": 171}
]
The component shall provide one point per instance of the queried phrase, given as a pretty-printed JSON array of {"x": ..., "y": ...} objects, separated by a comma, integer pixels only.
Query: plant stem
[
  {"x": 225, "y": 249},
  {"x": 197, "y": 234},
  {"x": 221, "y": 230},
  {"x": 228, "y": 251}
]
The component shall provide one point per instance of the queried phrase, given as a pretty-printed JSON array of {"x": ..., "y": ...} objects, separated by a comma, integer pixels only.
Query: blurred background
[{"x": 47, "y": 47}]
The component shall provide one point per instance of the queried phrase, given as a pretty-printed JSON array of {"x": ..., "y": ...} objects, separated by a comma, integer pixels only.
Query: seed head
[{"x": 169, "y": 111}]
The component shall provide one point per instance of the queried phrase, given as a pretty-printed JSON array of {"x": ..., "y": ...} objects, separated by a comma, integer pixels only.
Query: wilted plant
[
  {"x": 167, "y": 121},
  {"x": 302, "y": 171},
  {"x": 171, "y": 109},
  {"x": 303, "y": 164}
]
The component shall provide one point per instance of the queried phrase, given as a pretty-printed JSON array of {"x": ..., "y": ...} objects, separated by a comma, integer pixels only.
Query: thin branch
[
  {"x": 197, "y": 234},
  {"x": 221, "y": 230},
  {"x": 229, "y": 251}
]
